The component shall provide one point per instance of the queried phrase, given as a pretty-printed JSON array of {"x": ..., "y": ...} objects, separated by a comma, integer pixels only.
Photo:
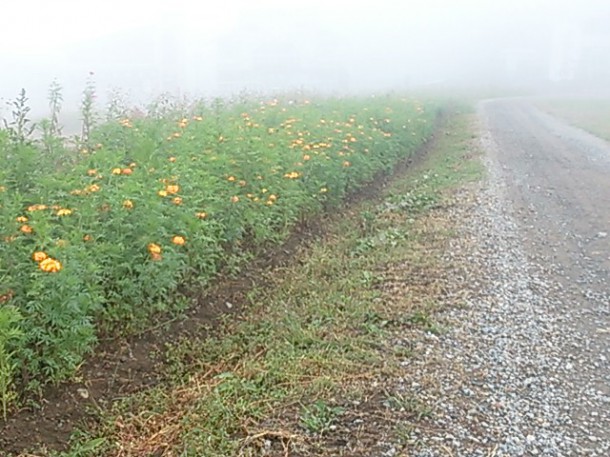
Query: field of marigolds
[{"x": 106, "y": 231}]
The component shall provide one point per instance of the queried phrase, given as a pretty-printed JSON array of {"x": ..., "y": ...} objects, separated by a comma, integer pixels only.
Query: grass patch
[
  {"x": 306, "y": 354},
  {"x": 589, "y": 114}
]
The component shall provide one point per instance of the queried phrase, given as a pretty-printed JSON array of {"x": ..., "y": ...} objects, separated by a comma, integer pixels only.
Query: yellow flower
[
  {"x": 201, "y": 215},
  {"x": 177, "y": 200},
  {"x": 197, "y": 118},
  {"x": 92, "y": 188},
  {"x": 178, "y": 240},
  {"x": 323, "y": 190},
  {"x": 26, "y": 229},
  {"x": 272, "y": 197},
  {"x": 173, "y": 189},
  {"x": 64, "y": 212},
  {"x": 162, "y": 193},
  {"x": 306, "y": 157},
  {"x": 92, "y": 172},
  {"x": 346, "y": 164},
  {"x": 38, "y": 207},
  {"x": 2, "y": 189},
  {"x": 22, "y": 219},
  {"x": 231, "y": 178},
  {"x": 39, "y": 256},
  {"x": 127, "y": 204},
  {"x": 50, "y": 265},
  {"x": 87, "y": 238},
  {"x": 154, "y": 248},
  {"x": 242, "y": 183},
  {"x": 132, "y": 164},
  {"x": 116, "y": 171},
  {"x": 172, "y": 159},
  {"x": 234, "y": 199}
]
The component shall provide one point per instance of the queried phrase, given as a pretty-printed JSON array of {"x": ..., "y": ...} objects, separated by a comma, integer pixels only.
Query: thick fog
[{"x": 211, "y": 48}]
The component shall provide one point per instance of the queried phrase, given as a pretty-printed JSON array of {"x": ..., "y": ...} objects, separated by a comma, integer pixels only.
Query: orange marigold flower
[
  {"x": 50, "y": 265},
  {"x": 126, "y": 171},
  {"x": 39, "y": 256},
  {"x": 38, "y": 207},
  {"x": 173, "y": 189},
  {"x": 201, "y": 215},
  {"x": 234, "y": 199},
  {"x": 127, "y": 204},
  {"x": 64, "y": 212},
  {"x": 177, "y": 200},
  {"x": 87, "y": 238},
  {"x": 116, "y": 171},
  {"x": 22, "y": 219},
  {"x": 178, "y": 240},
  {"x": 306, "y": 157},
  {"x": 26, "y": 229},
  {"x": 154, "y": 248},
  {"x": 92, "y": 172}
]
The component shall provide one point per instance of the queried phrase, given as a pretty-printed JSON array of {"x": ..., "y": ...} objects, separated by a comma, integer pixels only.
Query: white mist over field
[{"x": 212, "y": 48}]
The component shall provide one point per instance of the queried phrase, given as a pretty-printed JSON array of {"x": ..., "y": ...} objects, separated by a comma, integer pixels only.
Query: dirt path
[
  {"x": 523, "y": 368},
  {"x": 558, "y": 181}
]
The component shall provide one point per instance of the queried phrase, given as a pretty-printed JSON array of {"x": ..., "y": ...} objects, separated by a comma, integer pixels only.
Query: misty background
[{"x": 209, "y": 49}]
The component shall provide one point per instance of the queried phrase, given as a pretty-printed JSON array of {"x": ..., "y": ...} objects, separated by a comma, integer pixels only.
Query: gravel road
[{"x": 524, "y": 367}]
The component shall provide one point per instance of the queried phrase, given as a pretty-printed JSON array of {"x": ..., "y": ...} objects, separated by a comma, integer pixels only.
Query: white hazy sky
[{"x": 196, "y": 46}]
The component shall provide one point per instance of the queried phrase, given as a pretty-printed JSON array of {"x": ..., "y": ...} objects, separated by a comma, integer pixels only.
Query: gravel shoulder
[{"x": 522, "y": 368}]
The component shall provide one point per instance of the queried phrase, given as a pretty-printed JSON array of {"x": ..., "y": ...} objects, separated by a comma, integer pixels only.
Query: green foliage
[
  {"x": 51, "y": 129},
  {"x": 55, "y": 102},
  {"x": 9, "y": 334},
  {"x": 20, "y": 127},
  {"x": 87, "y": 111},
  {"x": 319, "y": 416},
  {"x": 229, "y": 178}
]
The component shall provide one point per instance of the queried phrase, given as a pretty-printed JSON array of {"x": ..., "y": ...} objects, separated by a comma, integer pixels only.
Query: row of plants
[{"x": 98, "y": 233}]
